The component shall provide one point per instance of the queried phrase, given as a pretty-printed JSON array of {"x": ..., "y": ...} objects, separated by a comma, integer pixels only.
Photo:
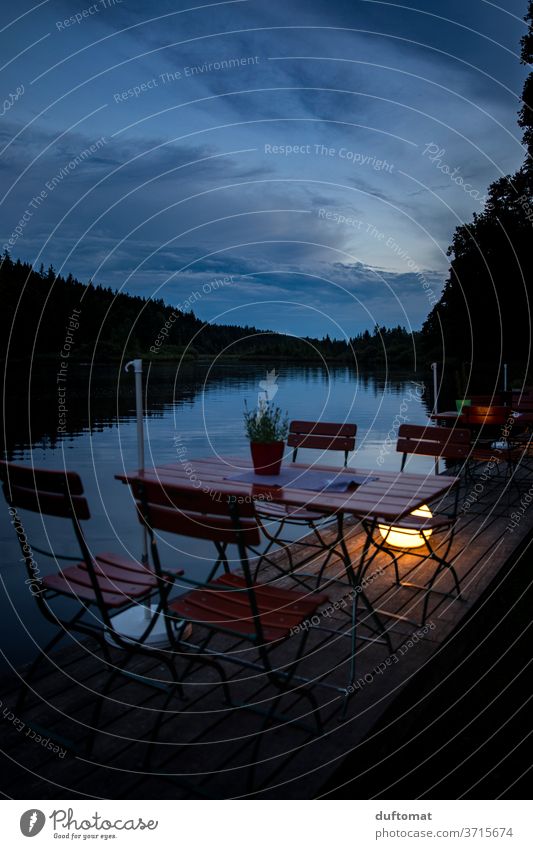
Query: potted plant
[{"x": 266, "y": 428}]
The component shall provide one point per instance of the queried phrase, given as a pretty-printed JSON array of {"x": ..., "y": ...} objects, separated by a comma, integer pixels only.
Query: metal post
[
  {"x": 138, "y": 370},
  {"x": 435, "y": 386},
  {"x": 132, "y": 623},
  {"x": 505, "y": 377},
  {"x": 435, "y": 398}
]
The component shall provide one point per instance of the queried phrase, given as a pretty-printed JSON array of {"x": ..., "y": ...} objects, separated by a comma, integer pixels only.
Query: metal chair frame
[
  {"x": 60, "y": 494},
  {"x": 485, "y": 420},
  {"x": 440, "y": 443},
  {"x": 327, "y": 436},
  {"x": 244, "y": 530}
]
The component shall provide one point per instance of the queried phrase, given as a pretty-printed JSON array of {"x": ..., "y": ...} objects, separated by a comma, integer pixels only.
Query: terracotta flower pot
[{"x": 267, "y": 457}]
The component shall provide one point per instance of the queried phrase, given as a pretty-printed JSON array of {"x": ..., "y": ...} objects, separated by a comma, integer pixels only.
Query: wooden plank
[
  {"x": 294, "y": 765},
  {"x": 391, "y": 496}
]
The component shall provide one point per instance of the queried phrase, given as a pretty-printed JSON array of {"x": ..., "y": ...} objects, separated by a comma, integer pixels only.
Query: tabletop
[{"x": 390, "y": 495}]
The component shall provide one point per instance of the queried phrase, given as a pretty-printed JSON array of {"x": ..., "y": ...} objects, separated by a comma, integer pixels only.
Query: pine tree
[{"x": 484, "y": 314}]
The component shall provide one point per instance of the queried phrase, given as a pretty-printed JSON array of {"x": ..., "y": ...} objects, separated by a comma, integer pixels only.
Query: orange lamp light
[{"x": 406, "y": 537}]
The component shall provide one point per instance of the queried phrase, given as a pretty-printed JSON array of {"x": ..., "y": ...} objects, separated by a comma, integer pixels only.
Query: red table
[{"x": 390, "y": 496}]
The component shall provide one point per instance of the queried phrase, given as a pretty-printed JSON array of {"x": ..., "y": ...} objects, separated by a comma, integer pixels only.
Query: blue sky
[{"x": 310, "y": 153}]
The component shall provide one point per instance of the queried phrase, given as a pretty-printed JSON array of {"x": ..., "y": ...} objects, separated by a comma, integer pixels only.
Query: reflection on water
[{"x": 201, "y": 404}]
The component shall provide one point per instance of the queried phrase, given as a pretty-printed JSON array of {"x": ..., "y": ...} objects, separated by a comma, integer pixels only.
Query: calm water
[{"x": 204, "y": 405}]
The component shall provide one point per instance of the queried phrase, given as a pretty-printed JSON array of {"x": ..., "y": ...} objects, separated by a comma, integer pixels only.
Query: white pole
[
  {"x": 505, "y": 377},
  {"x": 138, "y": 369},
  {"x": 435, "y": 386},
  {"x": 435, "y": 398},
  {"x": 133, "y": 623}
]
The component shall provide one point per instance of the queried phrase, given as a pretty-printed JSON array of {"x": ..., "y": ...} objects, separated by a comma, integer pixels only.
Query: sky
[{"x": 297, "y": 165}]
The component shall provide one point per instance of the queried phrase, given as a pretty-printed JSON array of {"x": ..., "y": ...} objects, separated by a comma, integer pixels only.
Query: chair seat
[
  {"x": 290, "y": 513},
  {"x": 497, "y": 455},
  {"x": 119, "y": 578},
  {"x": 420, "y": 523},
  {"x": 280, "y": 610}
]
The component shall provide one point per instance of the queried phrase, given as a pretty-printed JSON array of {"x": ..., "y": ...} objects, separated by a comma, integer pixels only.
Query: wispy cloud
[{"x": 249, "y": 139}]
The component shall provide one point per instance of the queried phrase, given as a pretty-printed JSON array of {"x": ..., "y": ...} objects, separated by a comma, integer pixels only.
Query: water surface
[{"x": 198, "y": 408}]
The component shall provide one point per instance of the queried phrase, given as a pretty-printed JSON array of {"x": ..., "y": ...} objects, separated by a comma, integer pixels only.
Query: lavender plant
[{"x": 266, "y": 423}]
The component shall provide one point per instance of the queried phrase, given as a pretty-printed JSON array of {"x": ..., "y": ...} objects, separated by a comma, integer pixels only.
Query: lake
[{"x": 200, "y": 407}]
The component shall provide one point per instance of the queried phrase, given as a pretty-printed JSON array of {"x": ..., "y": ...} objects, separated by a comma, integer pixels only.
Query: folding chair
[
  {"x": 234, "y": 604},
  {"x": 101, "y": 585},
  {"x": 441, "y": 443},
  {"x": 323, "y": 436},
  {"x": 489, "y": 426}
]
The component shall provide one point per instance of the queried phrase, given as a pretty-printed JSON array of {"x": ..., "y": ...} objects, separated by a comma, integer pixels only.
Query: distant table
[{"x": 448, "y": 418}]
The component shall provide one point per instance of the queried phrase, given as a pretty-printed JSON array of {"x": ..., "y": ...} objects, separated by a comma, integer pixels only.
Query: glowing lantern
[{"x": 406, "y": 537}]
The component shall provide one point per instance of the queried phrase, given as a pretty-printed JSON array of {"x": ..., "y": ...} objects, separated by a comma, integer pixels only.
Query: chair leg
[
  {"x": 175, "y": 686},
  {"x": 98, "y": 709},
  {"x": 252, "y": 768},
  {"x": 157, "y": 726},
  {"x": 443, "y": 564},
  {"x": 198, "y": 658},
  {"x": 351, "y": 677},
  {"x": 283, "y": 685},
  {"x": 43, "y": 653},
  {"x": 25, "y": 682}
]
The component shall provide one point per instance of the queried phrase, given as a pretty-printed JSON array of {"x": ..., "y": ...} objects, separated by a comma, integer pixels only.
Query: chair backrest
[
  {"x": 327, "y": 436},
  {"x": 181, "y": 509},
  {"x": 485, "y": 400},
  {"x": 525, "y": 391},
  {"x": 524, "y": 406},
  {"x": 50, "y": 493},
  {"x": 439, "y": 442},
  {"x": 485, "y": 416}
]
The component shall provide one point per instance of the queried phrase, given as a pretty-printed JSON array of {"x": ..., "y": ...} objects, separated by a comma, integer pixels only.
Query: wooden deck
[{"x": 204, "y": 747}]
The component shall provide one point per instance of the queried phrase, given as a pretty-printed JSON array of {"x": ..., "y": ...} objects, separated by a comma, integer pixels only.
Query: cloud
[{"x": 227, "y": 170}]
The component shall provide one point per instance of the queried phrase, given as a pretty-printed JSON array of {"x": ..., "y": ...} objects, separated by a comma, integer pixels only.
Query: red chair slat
[
  {"x": 277, "y": 596},
  {"x": 78, "y": 575},
  {"x": 428, "y": 448},
  {"x": 62, "y": 585},
  {"x": 323, "y": 435},
  {"x": 187, "y": 498},
  {"x": 47, "y": 503},
  {"x": 189, "y": 512},
  {"x": 323, "y": 428},
  {"x": 120, "y": 561},
  {"x": 117, "y": 575},
  {"x": 118, "y": 583},
  {"x": 498, "y": 455},
  {"x": 421, "y": 523},
  {"x": 231, "y": 610},
  {"x": 59, "y": 481},
  {"x": 485, "y": 415},
  {"x": 331, "y": 443},
  {"x": 215, "y": 528},
  {"x": 487, "y": 400},
  {"x": 448, "y": 443}
]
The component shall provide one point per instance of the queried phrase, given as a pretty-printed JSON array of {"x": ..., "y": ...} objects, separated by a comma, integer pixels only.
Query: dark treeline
[
  {"x": 44, "y": 314},
  {"x": 484, "y": 315}
]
